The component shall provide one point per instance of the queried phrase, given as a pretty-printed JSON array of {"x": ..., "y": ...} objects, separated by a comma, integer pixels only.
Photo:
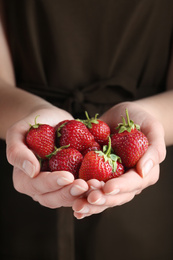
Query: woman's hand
[
  {"x": 52, "y": 190},
  {"x": 123, "y": 189}
]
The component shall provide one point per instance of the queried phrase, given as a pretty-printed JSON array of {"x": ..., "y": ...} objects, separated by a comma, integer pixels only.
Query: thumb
[
  {"x": 19, "y": 155},
  {"x": 154, "y": 155}
]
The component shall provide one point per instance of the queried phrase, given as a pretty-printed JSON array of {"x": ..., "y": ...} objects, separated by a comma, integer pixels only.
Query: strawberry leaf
[
  {"x": 36, "y": 125},
  {"x": 89, "y": 121},
  {"x": 57, "y": 150},
  {"x": 108, "y": 156},
  {"x": 129, "y": 126},
  {"x": 105, "y": 147},
  {"x": 122, "y": 129},
  {"x": 59, "y": 129},
  {"x": 114, "y": 166},
  {"x": 114, "y": 157}
]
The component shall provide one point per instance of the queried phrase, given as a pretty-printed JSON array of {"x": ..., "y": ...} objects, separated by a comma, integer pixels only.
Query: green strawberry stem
[
  {"x": 127, "y": 115},
  {"x": 108, "y": 156},
  {"x": 108, "y": 148},
  {"x": 129, "y": 126},
  {"x": 59, "y": 129},
  {"x": 92, "y": 119},
  {"x": 88, "y": 121},
  {"x": 57, "y": 150},
  {"x": 36, "y": 125},
  {"x": 87, "y": 116}
]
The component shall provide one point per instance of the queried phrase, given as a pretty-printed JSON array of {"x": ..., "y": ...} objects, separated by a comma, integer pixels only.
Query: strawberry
[
  {"x": 58, "y": 129},
  {"x": 99, "y": 129},
  {"x": 60, "y": 125},
  {"x": 66, "y": 159},
  {"x": 129, "y": 143},
  {"x": 101, "y": 165},
  {"x": 76, "y": 134},
  {"x": 41, "y": 139},
  {"x": 93, "y": 147}
]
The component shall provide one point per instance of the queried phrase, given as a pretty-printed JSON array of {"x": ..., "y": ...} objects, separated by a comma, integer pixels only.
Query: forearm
[
  {"x": 161, "y": 107},
  {"x": 15, "y": 104}
]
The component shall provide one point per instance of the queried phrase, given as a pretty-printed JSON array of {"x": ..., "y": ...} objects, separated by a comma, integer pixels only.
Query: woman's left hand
[{"x": 123, "y": 189}]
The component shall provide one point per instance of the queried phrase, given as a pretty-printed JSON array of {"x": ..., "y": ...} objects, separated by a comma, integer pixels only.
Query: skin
[{"x": 19, "y": 108}]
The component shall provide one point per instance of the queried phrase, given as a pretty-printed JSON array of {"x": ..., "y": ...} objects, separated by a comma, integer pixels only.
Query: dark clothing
[{"x": 88, "y": 55}]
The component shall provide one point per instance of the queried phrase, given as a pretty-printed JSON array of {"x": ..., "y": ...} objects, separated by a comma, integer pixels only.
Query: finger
[
  {"x": 115, "y": 192},
  {"x": 18, "y": 154},
  {"x": 42, "y": 183},
  {"x": 50, "y": 189},
  {"x": 97, "y": 202},
  {"x": 47, "y": 182},
  {"x": 82, "y": 208},
  {"x": 95, "y": 184},
  {"x": 156, "y": 151},
  {"x": 97, "y": 198},
  {"x": 131, "y": 181},
  {"x": 64, "y": 196}
]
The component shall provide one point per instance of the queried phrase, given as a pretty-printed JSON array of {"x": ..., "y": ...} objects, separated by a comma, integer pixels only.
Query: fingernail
[
  {"x": 93, "y": 188},
  {"x": 102, "y": 183},
  {"x": 80, "y": 217},
  {"x": 63, "y": 181},
  {"x": 84, "y": 210},
  {"x": 99, "y": 201},
  {"x": 28, "y": 168},
  {"x": 77, "y": 190},
  {"x": 147, "y": 167},
  {"x": 114, "y": 192}
]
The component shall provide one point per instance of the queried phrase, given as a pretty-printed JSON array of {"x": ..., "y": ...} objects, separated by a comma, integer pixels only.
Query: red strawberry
[
  {"x": 101, "y": 165},
  {"x": 76, "y": 134},
  {"x": 41, "y": 139},
  {"x": 99, "y": 129},
  {"x": 66, "y": 159},
  {"x": 129, "y": 143},
  {"x": 60, "y": 125},
  {"x": 58, "y": 129},
  {"x": 93, "y": 147}
]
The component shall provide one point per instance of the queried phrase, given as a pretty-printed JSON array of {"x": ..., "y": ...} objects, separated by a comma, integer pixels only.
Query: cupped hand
[
  {"x": 50, "y": 189},
  {"x": 123, "y": 189}
]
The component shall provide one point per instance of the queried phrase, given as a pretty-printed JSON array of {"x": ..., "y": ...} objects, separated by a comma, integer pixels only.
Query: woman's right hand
[{"x": 50, "y": 189}]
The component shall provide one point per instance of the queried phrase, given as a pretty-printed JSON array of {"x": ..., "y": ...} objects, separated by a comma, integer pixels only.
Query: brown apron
[{"x": 87, "y": 55}]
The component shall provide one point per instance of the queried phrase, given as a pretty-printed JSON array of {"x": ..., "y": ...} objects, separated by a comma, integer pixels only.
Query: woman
[{"x": 60, "y": 59}]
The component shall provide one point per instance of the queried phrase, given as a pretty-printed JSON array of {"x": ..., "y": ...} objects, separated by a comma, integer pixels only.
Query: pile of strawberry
[{"x": 87, "y": 148}]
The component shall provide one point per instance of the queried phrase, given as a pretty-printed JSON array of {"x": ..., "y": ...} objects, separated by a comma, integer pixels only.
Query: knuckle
[
  {"x": 35, "y": 197},
  {"x": 34, "y": 188},
  {"x": 48, "y": 184},
  {"x": 46, "y": 202},
  {"x": 18, "y": 186},
  {"x": 53, "y": 200},
  {"x": 115, "y": 202},
  {"x": 12, "y": 151},
  {"x": 127, "y": 198},
  {"x": 64, "y": 197},
  {"x": 138, "y": 192},
  {"x": 160, "y": 151},
  {"x": 154, "y": 178}
]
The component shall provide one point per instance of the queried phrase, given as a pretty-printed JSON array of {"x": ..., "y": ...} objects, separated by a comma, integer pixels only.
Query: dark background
[{"x": 142, "y": 229}]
